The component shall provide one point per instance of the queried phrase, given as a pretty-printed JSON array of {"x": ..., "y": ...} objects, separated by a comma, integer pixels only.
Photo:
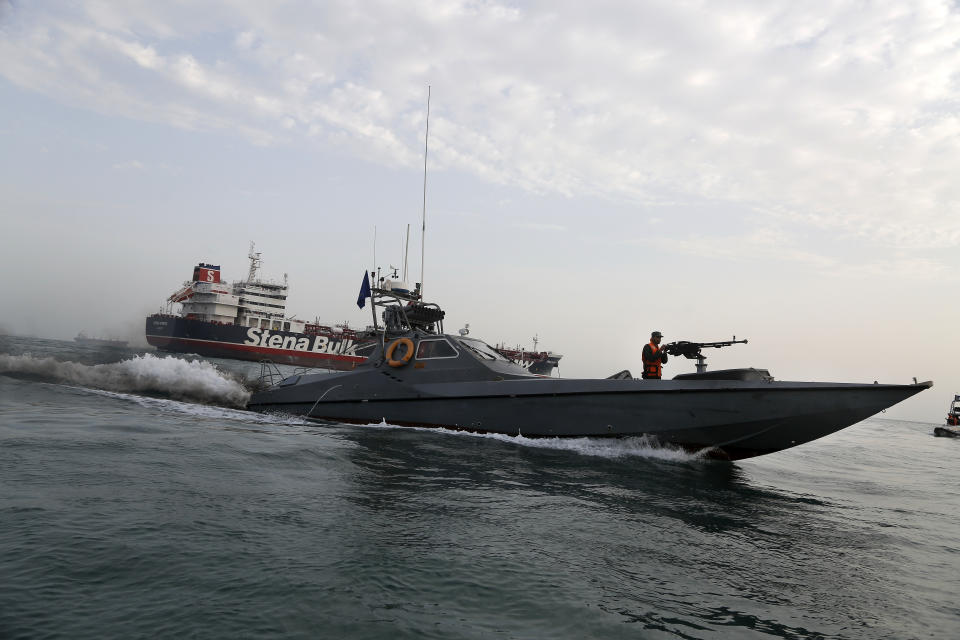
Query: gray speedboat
[
  {"x": 952, "y": 428},
  {"x": 420, "y": 376}
]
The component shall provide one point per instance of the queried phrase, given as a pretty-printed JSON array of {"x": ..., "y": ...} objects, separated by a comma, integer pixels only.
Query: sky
[{"x": 778, "y": 171}]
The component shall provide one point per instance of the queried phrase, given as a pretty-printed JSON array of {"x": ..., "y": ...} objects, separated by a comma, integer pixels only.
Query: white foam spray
[
  {"x": 206, "y": 411},
  {"x": 613, "y": 448},
  {"x": 191, "y": 380}
]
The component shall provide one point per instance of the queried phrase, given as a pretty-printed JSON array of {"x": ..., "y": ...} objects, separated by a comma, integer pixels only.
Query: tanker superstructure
[{"x": 247, "y": 320}]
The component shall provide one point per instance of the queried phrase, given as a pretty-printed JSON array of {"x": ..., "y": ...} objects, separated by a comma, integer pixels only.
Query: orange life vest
[{"x": 653, "y": 368}]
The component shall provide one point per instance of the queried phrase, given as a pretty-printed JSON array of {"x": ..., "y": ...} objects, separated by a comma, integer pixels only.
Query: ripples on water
[{"x": 138, "y": 501}]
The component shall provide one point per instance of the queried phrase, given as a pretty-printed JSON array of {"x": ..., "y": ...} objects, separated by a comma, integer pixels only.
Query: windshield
[
  {"x": 439, "y": 348},
  {"x": 482, "y": 350}
]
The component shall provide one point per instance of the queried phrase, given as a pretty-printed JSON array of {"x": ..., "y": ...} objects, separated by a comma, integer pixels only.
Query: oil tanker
[{"x": 247, "y": 320}]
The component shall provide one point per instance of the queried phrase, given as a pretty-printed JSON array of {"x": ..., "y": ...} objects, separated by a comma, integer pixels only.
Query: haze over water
[{"x": 139, "y": 500}]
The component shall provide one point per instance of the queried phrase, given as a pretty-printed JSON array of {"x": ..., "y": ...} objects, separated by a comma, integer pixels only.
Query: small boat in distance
[
  {"x": 419, "y": 376},
  {"x": 84, "y": 339},
  {"x": 952, "y": 428}
]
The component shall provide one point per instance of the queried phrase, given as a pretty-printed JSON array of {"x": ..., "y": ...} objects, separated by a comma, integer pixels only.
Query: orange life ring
[{"x": 408, "y": 343}]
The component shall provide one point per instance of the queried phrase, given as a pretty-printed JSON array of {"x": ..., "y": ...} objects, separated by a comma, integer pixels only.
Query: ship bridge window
[
  {"x": 433, "y": 349},
  {"x": 482, "y": 350}
]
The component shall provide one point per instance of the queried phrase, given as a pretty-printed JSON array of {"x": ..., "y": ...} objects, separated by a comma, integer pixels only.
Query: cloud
[
  {"x": 130, "y": 164},
  {"x": 839, "y": 117},
  {"x": 772, "y": 245},
  {"x": 539, "y": 226}
]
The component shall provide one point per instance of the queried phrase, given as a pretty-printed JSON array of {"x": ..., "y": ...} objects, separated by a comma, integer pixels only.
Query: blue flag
[{"x": 364, "y": 290}]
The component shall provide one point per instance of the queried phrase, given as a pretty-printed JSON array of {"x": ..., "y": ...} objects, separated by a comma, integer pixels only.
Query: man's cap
[{"x": 656, "y": 334}]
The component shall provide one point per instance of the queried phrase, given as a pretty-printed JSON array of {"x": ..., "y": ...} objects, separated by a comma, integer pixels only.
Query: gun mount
[{"x": 692, "y": 350}]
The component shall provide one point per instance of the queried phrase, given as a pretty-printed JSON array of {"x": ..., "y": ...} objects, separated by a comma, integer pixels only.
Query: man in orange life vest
[{"x": 653, "y": 357}]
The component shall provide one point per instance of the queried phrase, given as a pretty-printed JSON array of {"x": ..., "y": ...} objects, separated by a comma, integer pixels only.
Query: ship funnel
[{"x": 206, "y": 273}]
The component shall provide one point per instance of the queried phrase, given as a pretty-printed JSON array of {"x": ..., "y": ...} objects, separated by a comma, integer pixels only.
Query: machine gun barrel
[{"x": 692, "y": 349}]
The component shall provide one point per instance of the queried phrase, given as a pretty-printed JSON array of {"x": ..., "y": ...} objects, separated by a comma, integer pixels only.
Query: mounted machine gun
[{"x": 691, "y": 350}]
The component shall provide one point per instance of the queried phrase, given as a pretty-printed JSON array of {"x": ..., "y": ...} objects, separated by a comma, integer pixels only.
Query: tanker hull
[{"x": 183, "y": 335}]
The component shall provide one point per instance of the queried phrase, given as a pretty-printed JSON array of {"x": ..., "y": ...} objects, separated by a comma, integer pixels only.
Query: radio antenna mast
[
  {"x": 423, "y": 229},
  {"x": 406, "y": 251}
]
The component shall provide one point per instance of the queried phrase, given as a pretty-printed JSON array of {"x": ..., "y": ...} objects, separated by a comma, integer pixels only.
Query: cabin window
[
  {"x": 286, "y": 326},
  {"x": 433, "y": 349},
  {"x": 482, "y": 350}
]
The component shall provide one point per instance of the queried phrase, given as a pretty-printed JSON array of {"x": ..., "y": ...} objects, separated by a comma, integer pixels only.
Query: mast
[
  {"x": 406, "y": 252},
  {"x": 373, "y": 276},
  {"x": 254, "y": 263},
  {"x": 423, "y": 229}
]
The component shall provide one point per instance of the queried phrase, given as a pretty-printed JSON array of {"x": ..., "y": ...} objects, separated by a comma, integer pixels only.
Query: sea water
[{"x": 138, "y": 499}]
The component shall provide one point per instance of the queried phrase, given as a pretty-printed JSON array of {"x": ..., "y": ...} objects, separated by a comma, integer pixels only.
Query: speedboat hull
[{"x": 730, "y": 419}]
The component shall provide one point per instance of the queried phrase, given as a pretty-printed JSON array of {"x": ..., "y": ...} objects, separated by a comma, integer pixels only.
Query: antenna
[
  {"x": 423, "y": 230},
  {"x": 406, "y": 252},
  {"x": 374, "y": 247}
]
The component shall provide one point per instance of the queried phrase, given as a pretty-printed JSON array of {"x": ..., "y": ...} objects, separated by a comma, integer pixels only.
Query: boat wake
[
  {"x": 207, "y": 411},
  {"x": 168, "y": 377},
  {"x": 611, "y": 448}
]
